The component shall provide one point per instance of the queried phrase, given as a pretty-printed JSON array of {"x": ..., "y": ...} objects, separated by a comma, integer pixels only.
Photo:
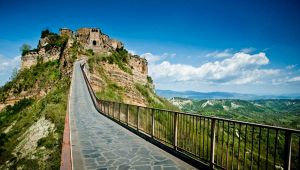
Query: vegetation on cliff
[
  {"x": 119, "y": 58},
  {"x": 43, "y": 76},
  {"x": 26, "y": 112},
  {"x": 31, "y": 130}
]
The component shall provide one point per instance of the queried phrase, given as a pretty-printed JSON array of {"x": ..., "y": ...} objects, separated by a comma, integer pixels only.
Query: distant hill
[
  {"x": 221, "y": 95},
  {"x": 278, "y": 112}
]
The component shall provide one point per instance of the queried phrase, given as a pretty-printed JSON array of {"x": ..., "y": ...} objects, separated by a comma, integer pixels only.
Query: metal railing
[{"x": 219, "y": 143}]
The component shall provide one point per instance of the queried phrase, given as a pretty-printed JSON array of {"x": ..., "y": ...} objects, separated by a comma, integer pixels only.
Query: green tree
[
  {"x": 45, "y": 33},
  {"x": 14, "y": 73},
  {"x": 25, "y": 48}
]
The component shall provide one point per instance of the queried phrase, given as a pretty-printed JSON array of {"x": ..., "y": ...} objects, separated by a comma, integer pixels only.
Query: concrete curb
[{"x": 66, "y": 153}]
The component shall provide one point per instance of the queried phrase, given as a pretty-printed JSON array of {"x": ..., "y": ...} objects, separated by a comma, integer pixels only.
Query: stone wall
[
  {"x": 50, "y": 55},
  {"x": 29, "y": 60},
  {"x": 66, "y": 32}
]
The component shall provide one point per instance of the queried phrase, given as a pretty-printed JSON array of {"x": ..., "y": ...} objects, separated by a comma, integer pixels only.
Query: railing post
[
  {"x": 119, "y": 112},
  {"x": 152, "y": 123},
  {"x": 175, "y": 129},
  {"x": 105, "y": 107},
  {"x": 108, "y": 110},
  {"x": 127, "y": 114},
  {"x": 100, "y": 106},
  {"x": 113, "y": 110},
  {"x": 137, "y": 119},
  {"x": 287, "y": 150},
  {"x": 212, "y": 143}
]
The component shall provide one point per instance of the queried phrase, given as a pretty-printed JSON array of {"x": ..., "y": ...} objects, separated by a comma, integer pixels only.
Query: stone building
[
  {"x": 93, "y": 38},
  {"x": 66, "y": 31}
]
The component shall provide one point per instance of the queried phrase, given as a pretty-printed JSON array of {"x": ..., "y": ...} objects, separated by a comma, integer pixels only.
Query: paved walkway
[{"x": 99, "y": 143}]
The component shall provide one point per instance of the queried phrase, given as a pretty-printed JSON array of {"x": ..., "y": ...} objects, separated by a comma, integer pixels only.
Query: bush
[
  {"x": 149, "y": 79},
  {"x": 48, "y": 142},
  {"x": 18, "y": 106},
  {"x": 90, "y": 52},
  {"x": 46, "y": 33},
  {"x": 25, "y": 48},
  {"x": 56, "y": 41}
]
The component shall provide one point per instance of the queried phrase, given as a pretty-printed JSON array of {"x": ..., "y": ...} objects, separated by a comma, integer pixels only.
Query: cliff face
[{"x": 106, "y": 76}]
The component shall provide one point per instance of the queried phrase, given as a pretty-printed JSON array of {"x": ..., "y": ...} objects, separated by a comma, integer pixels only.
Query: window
[{"x": 94, "y": 42}]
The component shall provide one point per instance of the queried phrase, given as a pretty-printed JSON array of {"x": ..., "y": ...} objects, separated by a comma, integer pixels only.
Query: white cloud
[
  {"x": 166, "y": 55},
  {"x": 286, "y": 80},
  {"x": 248, "y": 50},
  {"x": 151, "y": 58},
  {"x": 8, "y": 63},
  {"x": 294, "y": 79},
  {"x": 6, "y": 67},
  {"x": 289, "y": 67},
  {"x": 241, "y": 68},
  {"x": 220, "y": 54},
  {"x": 132, "y": 52}
]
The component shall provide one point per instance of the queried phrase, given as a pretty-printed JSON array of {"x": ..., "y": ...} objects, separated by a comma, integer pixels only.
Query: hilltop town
[{"x": 88, "y": 38}]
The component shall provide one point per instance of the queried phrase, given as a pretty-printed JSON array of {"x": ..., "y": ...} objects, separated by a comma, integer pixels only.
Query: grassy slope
[{"x": 27, "y": 111}]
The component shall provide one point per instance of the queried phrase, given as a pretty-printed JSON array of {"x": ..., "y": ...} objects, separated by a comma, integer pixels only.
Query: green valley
[{"x": 276, "y": 112}]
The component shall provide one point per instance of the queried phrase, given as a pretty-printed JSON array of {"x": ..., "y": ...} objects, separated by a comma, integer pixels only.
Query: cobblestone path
[{"x": 99, "y": 143}]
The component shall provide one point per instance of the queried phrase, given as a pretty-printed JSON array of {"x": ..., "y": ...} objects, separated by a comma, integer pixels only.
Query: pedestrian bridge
[{"x": 110, "y": 135}]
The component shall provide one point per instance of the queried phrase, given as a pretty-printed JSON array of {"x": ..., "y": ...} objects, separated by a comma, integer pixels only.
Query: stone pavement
[{"x": 99, "y": 143}]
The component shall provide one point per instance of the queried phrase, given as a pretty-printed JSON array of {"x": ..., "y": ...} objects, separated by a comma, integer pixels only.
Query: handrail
[
  {"x": 218, "y": 118},
  {"x": 217, "y": 142}
]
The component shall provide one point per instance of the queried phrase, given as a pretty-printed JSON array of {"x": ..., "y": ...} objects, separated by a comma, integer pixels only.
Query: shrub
[
  {"x": 18, "y": 106},
  {"x": 46, "y": 33},
  {"x": 56, "y": 41},
  {"x": 90, "y": 52},
  {"x": 149, "y": 79},
  {"x": 25, "y": 48}
]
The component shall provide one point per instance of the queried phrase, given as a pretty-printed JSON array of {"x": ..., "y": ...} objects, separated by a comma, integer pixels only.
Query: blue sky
[{"x": 247, "y": 47}]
